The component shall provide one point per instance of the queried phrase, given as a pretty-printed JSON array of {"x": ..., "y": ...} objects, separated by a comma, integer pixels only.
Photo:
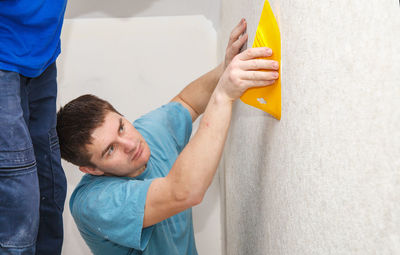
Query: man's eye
[
  {"x": 110, "y": 150},
  {"x": 121, "y": 128}
]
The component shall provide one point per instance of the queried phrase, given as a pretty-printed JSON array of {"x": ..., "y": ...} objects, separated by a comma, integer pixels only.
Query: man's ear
[{"x": 90, "y": 170}]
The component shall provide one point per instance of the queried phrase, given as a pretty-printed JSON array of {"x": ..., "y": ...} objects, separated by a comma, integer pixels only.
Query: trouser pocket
[{"x": 19, "y": 205}]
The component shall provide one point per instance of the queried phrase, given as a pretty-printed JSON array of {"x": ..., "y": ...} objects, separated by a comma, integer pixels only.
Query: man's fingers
[
  {"x": 252, "y": 53},
  {"x": 237, "y": 31},
  {"x": 259, "y": 75},
  {"x": 259, "y": 64},
  {"x": 251, "y": 84},
  {"x": 236, "y": 46}
]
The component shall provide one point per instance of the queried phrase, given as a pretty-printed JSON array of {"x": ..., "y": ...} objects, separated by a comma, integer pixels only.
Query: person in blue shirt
[
  {"x": 143, "y": 178},
  {"x": 32, "y": 181}
]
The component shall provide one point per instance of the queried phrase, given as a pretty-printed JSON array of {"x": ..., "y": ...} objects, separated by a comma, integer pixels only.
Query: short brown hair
[{"x": 75, "y": 123}]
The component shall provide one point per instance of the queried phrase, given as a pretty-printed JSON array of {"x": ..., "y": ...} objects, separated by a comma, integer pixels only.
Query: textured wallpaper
[{"x": 326, "y": 178}]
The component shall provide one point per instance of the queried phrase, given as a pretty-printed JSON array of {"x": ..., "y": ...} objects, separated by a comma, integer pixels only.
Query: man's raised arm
[{"x": 194, "y": 169}]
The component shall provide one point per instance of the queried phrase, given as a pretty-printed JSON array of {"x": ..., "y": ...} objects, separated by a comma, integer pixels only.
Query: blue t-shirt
[
  {"x": 109, "y": 210},
  {"x": 30, "y": 34}
]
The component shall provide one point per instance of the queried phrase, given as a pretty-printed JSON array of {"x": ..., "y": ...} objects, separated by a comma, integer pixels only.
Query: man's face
[{"x": 117, "y": 148}]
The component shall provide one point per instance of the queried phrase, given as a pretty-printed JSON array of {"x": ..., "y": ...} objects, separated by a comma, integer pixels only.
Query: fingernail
[
  {"x": 275, "y": 64},
  {"x": 269, "y": 51},
  {"x": 276, "y": 75}
]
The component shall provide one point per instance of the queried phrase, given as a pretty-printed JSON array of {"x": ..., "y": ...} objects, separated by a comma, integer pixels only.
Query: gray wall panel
[{"x": 326, "y": 178}]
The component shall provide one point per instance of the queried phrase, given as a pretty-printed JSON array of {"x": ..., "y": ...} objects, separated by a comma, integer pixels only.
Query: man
[
  {"x": 143, "y": 178},
  {"x": 30, "y": 216}
]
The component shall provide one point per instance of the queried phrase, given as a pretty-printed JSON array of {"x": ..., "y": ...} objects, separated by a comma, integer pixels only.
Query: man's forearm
[
  {"x": 197, "y": 94},
  {"x": 195, "y": 167}
]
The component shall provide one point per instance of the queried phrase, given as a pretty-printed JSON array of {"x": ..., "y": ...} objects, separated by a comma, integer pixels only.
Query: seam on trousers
[{"x": 15, "y": 171}]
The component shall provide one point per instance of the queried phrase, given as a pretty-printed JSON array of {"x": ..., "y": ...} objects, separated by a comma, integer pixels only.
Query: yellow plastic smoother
[{"x": 267, "y": 98}]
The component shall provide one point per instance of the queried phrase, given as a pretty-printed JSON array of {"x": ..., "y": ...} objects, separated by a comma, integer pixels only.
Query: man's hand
[
  {"x": 237, "y": 39},
  {"x": 247, "y": 70},
  {"x": 196, "y": 95}
]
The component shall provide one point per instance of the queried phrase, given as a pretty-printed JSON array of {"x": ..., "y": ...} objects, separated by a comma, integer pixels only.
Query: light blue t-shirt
[
  {"x": 109, "y": 210},
  {"x": 30, "y": 34}
]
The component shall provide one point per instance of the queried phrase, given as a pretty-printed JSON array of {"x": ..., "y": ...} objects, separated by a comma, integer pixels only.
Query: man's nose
[{"x": 129, "y": 145}]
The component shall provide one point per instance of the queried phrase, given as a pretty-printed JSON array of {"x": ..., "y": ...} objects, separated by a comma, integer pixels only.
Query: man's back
[{"x": 30, "y": 35}]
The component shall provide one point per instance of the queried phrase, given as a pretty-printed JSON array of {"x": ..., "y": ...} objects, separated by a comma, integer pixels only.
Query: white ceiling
[{"x": 143, "y": 8}]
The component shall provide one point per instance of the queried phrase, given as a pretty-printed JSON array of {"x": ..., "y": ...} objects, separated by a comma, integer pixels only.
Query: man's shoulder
[{"x": 89, "y": 188}]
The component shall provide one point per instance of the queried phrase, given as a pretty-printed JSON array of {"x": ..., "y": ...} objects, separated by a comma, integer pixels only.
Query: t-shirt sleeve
[
  {"x": 114, "y": 210},
  {"x": 169, "y": 121}
]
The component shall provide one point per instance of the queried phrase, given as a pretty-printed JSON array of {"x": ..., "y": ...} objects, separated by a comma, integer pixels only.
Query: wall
[
  {"x": 326, "y": 178},
  {"x": 137, "y": 64}
]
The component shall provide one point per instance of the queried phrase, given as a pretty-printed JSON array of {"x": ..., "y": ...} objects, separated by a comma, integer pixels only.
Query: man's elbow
[
  {"x": 196, "y": 199},
  {"x": 189, "y": 197}
]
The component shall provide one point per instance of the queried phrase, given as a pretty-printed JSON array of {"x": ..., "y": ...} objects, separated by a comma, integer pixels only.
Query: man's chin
[
  {"x": 137, "y": 172},
  {"x": 141, "y": 170}
]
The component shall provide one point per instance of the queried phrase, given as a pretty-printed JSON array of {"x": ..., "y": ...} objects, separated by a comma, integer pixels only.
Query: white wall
[
  {"x": 137, "y": 64},
  {"x": 326, "y": 178}
]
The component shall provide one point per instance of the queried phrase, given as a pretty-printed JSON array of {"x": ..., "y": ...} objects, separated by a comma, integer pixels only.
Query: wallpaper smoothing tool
[{"x": 267, "y": 98}]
